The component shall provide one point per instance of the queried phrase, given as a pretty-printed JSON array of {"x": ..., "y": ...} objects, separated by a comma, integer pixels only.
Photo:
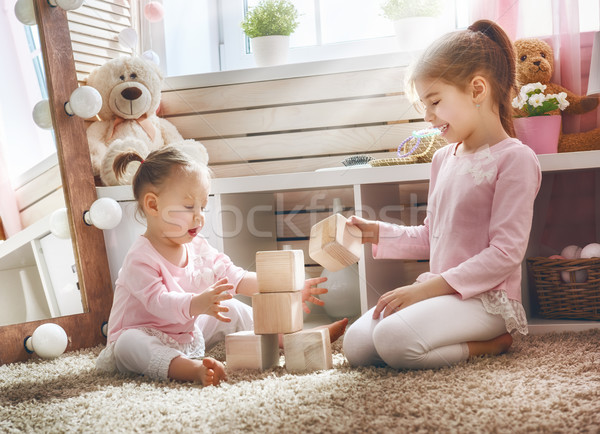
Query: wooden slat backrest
[{"x": 294, "y": 124}]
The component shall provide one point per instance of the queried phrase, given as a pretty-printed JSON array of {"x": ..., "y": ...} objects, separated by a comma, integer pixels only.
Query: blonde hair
[
  {"x": 156, "y": 168},
  {"x": 483, "y": 49}
]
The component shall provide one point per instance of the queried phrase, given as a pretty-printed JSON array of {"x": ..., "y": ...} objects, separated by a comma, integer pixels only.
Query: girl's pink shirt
[
  {"x": 151, "y": 292},
  {"x": 479, "y": 215}
]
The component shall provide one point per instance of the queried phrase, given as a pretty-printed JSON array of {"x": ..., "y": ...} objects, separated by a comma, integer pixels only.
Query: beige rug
[{"x": 548, "y": 383}]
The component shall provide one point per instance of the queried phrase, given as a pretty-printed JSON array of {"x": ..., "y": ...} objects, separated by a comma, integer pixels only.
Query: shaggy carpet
[{"x": 547, "y": 383}]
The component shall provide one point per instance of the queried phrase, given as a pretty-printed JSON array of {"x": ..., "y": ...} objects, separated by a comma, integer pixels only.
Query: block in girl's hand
[
  {"x": 246, "y": 350},
  {"x": 307, "y": 350},
  {"x": 279, "y": 312},
  {"x": 334, "y": 244},
  {"x": 280, "y": 270}
]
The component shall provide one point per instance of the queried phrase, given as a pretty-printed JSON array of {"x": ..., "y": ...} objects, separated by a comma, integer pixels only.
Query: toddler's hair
[
  {"x": 483, "y": 49},
  {"x": 156, "y": 168}
]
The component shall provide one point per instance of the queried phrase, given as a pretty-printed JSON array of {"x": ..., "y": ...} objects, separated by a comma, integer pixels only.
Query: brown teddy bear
[
  {"x": 535, "y": 63},
  {"x": 131, "y": 88}
]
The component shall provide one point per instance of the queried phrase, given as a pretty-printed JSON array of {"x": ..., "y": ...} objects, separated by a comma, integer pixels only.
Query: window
[
  {"x": 205, "y": 35},
  {"x": 22, "y": 84}
]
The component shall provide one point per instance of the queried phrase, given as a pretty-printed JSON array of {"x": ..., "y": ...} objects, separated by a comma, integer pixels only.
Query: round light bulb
[
  {"x": 152, "y": 56},
  {"x": 105, "y": 213},
  {"x": 41, "y": 115},
  {"x": 85, "y": 102},
  {"x": 154, "y": 11},
  {"x": 48, "y": 341},
  {"x": 25, "y": 12},
  {"x": 128, "y": 38},
  {"x": 67, "y": 5},
  {"x": 59, "y": 224}
]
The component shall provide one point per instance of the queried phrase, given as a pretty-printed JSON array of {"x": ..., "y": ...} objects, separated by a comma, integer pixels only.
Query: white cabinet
[{"x": 243, "y": 217}]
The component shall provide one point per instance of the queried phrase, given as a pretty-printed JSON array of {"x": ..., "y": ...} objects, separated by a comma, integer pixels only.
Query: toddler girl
[
  {"x": 173, "y": 288},
  {"x": 481, "y": 195}
]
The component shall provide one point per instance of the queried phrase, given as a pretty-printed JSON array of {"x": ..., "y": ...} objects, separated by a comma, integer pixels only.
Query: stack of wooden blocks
[{"x": 277, "y": 309}]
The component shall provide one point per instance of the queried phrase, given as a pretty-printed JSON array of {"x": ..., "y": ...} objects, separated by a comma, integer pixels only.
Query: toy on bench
[
  {"x": 334, "y": 244},
  {"x": 277, "y": 309}
]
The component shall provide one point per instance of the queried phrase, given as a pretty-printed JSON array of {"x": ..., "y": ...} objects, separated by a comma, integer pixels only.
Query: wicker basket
[
  {"x": 419, "y": 147},
  {"x": 567, "y": 300}
]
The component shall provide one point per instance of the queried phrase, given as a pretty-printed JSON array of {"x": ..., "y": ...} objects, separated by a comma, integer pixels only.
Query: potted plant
[
  {"x": 269, "y": 26},
  {"x": 537, "y": 123},
  {"x": 414, "y": 21}
]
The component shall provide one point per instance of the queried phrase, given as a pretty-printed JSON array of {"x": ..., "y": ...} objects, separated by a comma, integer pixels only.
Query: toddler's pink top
[
  {"x": 479, "y": 215},
  {"x": 151, "y": 292}
]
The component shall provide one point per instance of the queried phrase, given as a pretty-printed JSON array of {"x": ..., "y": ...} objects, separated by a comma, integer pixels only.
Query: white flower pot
[
  {"x": 270, "y": 50},
  {"x": 415, "y": 33}
]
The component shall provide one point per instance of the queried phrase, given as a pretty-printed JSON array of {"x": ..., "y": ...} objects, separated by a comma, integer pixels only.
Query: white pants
[
  {"x": 136, "y": 351},
  {"x": 429, "y": 334}
]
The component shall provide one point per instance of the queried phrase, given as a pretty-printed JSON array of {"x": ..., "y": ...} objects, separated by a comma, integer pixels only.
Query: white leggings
[
  {"x": 136, "y": 351},
  {"x": 429, "y": 334}
]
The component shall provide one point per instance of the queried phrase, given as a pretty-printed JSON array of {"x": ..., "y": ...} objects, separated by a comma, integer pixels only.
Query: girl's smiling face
[{"x": 448, "y": 108}]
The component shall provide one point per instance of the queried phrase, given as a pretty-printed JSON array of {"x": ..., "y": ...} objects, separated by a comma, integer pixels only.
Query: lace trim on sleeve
[{"x": 497, "y": 302}]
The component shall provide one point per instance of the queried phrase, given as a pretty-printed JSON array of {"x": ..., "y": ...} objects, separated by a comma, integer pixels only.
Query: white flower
[
  {"x": 518, "y": 102},
  {"x": 530, "y": 87},
  {"x": 562, "y": 100},
  {"x": 537, "y": 100}
]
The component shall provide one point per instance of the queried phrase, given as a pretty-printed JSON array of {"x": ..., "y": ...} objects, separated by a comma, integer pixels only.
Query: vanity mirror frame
[{"x": 83, "y": 330}]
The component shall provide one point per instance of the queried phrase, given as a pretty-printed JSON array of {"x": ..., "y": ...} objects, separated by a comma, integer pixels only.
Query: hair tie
[{"x": 142, "y": 162}]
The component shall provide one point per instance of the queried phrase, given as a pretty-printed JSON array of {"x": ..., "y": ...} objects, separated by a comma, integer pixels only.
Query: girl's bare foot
[
  {"x": 214, "y": 372},
  {"x": 498, "y": 345},
  {"x": 208, "y": 371},
  {"x": 337, "y": 329}
]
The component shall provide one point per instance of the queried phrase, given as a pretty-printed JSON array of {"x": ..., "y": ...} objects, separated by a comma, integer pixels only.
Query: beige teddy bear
[
  {"x": 535, "y": 63},
  {"x": 131, "y": 89}
]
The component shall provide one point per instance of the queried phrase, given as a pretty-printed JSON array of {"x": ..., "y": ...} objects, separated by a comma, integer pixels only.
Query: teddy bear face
[
  {"x": 130, "y": 87},
  {"x": 535, "y": 61}
]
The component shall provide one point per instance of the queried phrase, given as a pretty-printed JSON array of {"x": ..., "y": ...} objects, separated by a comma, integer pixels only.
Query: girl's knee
[
  {"x": 398, "y": 345},
  {"x": 358, "y": 346}
]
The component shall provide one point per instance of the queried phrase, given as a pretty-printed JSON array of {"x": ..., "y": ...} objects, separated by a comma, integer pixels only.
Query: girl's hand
[
  {"x": 397, "y": 299},
  {"x": 209, "y": 302},
  {"x": 311, "y": 289},
  {"x": 369, "y": 229}
]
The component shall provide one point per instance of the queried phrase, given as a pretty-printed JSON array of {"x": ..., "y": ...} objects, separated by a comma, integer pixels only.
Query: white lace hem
[{"x": 497, "y": 302}]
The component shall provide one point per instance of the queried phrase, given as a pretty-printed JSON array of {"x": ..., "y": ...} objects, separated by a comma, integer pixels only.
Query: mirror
[
  {"x": 83, "y": 329},
  {"x": 38, "y": 273}
]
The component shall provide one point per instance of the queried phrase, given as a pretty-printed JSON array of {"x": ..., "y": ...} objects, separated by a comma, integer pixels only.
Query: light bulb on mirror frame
[
  {"x": 128, "y": 38},
  {"x": 41, "y": 115},
  {"x": 105, "y": 213},
  {"x": 67, "y": 5},
  {"x": 48, "y": 341},
  {"x": 59, "y": 224},
  {"x": 85, "y": 102},
  {"x": 25, "y": 12}
]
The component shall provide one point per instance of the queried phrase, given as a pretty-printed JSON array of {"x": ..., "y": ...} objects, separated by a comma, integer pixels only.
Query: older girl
[{"x": 481, "y": 195}]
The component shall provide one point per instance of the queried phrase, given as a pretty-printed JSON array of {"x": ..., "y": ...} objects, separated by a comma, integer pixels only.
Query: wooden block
[
  {"x": 333, "y": 244},
  {"x": 279, "y": 312},
  {"x": 246, "y": 350},
  {"x": 308, "y": 350},
  {"x": 280, "y": 270}
]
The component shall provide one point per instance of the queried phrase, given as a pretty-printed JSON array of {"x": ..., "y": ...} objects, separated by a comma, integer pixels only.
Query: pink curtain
[
  {"x": 9, "y": 211},
  {"x": 571, "y": 217}
]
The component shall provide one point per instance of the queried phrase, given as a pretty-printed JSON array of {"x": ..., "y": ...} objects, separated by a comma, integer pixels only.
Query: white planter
[
  {"x": 415, "y": 33},
  {"x": 270, "y": 50}
]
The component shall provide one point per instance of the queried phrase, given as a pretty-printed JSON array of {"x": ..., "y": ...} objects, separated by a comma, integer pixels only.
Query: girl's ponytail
[
  {"x": 505, "y": 68},
  {"x": 122, "y": 160}
]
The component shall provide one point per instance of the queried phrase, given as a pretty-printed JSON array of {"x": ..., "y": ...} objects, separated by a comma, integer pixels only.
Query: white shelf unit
[{"x": 241, "y": 218}]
